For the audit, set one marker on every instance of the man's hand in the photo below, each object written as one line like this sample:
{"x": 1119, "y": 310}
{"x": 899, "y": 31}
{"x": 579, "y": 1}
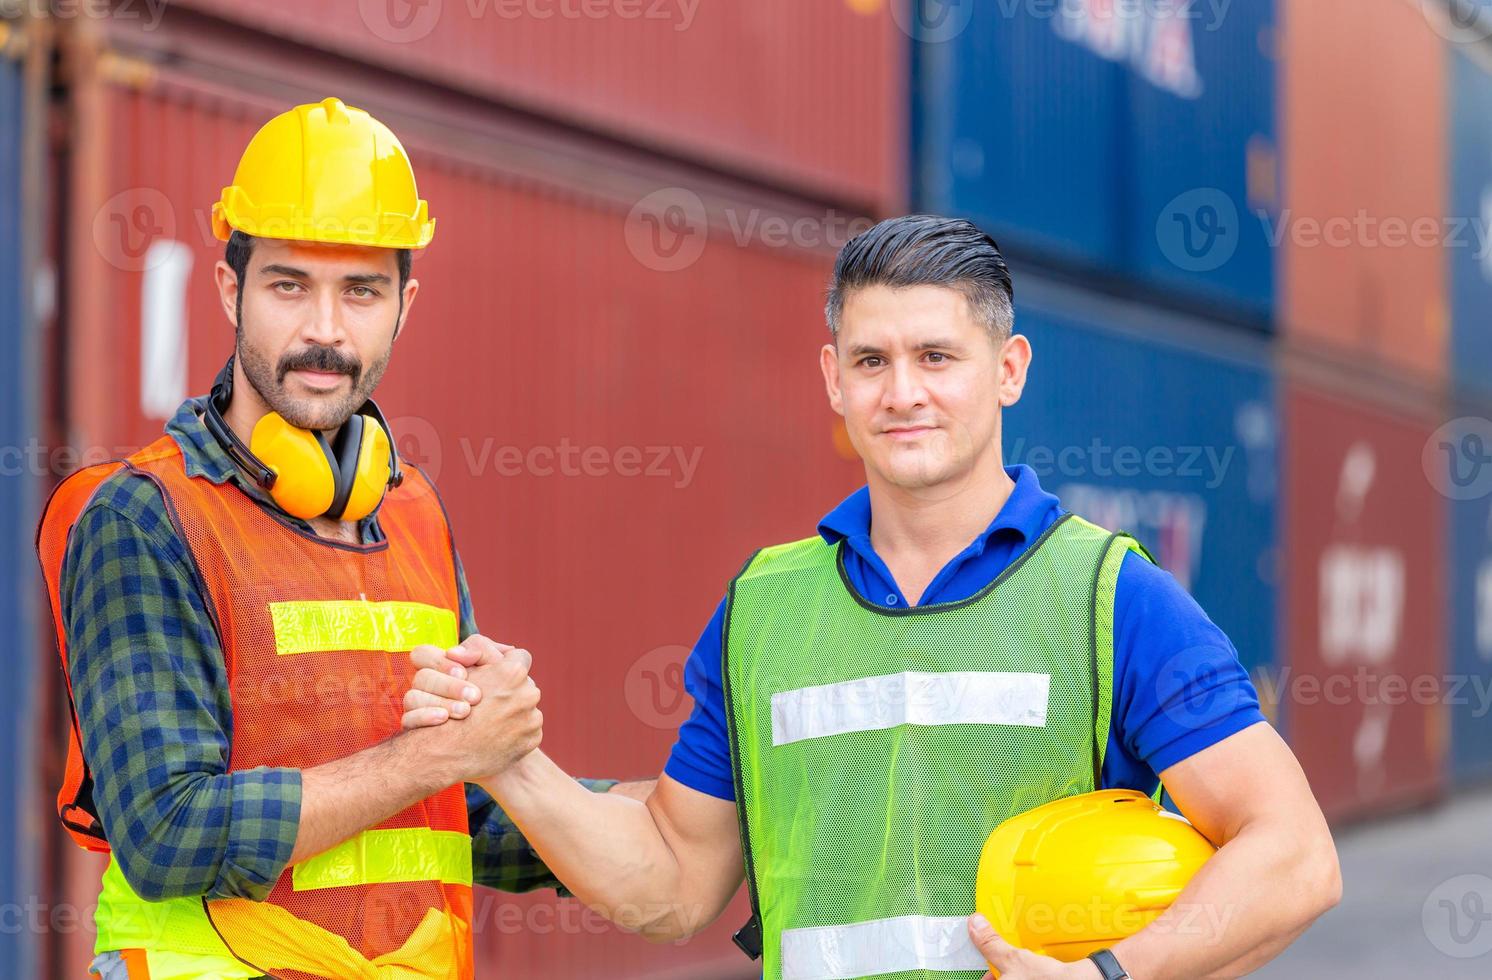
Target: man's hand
{"x": 441, "y": 688}
{"x": 1010, "y": 963}
{"x": 506, "y": 722}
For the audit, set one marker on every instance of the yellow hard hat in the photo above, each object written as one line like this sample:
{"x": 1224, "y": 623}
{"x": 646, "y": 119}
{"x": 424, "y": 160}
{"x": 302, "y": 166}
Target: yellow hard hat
{"x": 1081, "y": 873}
{"x": 325, "y": 172}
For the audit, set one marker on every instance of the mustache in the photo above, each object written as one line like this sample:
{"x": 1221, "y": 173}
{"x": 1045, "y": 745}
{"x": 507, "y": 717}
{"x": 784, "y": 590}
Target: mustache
{"x": 319, "y": 359}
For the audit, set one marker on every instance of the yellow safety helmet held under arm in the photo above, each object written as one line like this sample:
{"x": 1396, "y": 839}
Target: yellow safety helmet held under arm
{"x": 325, "y": 172}
{"x": 1079, "y": 874}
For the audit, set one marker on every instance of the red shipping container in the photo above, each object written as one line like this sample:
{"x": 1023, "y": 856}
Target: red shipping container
{"x": 1364, "y": 604}
{"x": 809, "y": 96}
{"x": 1364, "y": 137}
{"x": 618, "y": 407}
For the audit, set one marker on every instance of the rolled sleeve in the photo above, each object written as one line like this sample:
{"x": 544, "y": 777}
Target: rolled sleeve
{"x": 700, "y": 758}
{"x": 1179, "y": 686}
{"x": 150, "y": 689}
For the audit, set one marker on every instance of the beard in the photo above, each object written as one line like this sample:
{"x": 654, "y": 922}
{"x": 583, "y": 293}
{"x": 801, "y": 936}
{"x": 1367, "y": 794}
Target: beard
{"x": 325, "y": 412}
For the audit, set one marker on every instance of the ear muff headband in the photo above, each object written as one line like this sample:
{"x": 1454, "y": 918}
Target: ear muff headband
{"x": 303, "y": 472}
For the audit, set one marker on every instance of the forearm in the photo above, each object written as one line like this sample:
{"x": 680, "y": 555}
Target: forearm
{"x": 606, "y": 847}
{"x": 1258, "y": 956}
{"x": 1246, "y": 905}
{"x": 502, "y": 858}
{"x": 347, "y": 796}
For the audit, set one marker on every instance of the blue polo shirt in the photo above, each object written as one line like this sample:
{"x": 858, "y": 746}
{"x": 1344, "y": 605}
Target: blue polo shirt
{"x": 1178, "y": 684}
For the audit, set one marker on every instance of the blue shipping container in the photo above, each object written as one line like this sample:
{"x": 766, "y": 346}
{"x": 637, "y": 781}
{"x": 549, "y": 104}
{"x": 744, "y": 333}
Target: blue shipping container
{"x": 1138, "y": 145}
{"x": 1471, "y": 209}
{"x": 19, "y": 578}
{"x": 1469, "y": 690}
{"x": 1140, "y": 422}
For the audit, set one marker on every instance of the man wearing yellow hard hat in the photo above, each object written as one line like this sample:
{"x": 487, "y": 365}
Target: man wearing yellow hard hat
{"x": 235, "y": 604}
{"x": 955, "y": 697}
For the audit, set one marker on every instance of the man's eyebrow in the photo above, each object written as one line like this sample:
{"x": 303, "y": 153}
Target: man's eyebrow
{"x": 284, "y": 270}
{"x": 937, "y": 342}
{"x": 354, "y": 278}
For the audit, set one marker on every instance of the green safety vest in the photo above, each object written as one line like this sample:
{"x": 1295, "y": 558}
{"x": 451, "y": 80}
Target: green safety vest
{"x": 875, "y": 749}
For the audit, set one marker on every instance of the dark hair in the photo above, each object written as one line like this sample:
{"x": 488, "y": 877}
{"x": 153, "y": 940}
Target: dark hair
{"x": 927, "y": 250}
{"x": 241, "y": 246}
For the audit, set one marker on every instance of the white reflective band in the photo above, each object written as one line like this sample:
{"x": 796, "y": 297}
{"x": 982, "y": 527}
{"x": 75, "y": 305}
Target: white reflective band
{"x": 970, "y": 697}
{"x": 906, "y": 942}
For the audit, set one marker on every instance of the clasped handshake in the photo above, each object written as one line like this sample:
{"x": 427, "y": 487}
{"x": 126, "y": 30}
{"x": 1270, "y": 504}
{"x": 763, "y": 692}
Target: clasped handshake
{"x": 485, "y": 685}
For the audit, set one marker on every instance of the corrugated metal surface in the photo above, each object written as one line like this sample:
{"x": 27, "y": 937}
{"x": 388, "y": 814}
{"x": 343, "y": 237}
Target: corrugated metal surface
{"x": 1043, "y": 175}
{"x": 1364, "y": 604}
{"x": 1471, "y": 206}
{"x": 599, "y": 426}
{"x": 1203, "y": 159}
{"x": 1469, "y": 485}
{"x": 18, "y": 490}
{"x": 1365, "y": 132}
{"x": 1137, "y": 146}
{"x": 1198, "y": 486}
{"x": 805, "y": 94}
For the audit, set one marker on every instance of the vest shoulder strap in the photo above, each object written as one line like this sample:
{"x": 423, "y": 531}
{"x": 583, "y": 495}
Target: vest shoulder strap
{"x": 66, "y": 504}
{"x": 794, "y": 556}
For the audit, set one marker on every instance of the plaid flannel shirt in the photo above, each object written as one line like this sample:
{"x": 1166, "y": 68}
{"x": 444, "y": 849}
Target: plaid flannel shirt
{"x": 150, "y": 686}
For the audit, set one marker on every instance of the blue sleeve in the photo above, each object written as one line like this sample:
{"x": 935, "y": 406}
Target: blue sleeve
{"x": 1178, "y": 684}
{"x": 701, "y": 757}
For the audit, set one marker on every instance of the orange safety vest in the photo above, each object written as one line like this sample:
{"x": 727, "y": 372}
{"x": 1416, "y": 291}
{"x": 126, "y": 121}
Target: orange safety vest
{"x": 314, "y": 633}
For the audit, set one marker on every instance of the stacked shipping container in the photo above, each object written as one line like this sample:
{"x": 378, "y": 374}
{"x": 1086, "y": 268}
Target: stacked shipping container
{"x": 795, "y": 95}
{"x": 1365, "y": 329}
{"x": 1131, "y": 147}
{"x": 20, "y": 826}
{"x": 611, "y": 186}
{"x": 1166, "y": 427}
{"x": 1129, "y": 143}
{"x": 1364, "y": 604}
{"x": 1364, "y": 274}
{"x": 1461, "y": 450}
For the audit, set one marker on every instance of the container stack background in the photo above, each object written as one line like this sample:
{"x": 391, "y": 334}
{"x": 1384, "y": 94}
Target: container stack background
{"x": 1250, "y": 243}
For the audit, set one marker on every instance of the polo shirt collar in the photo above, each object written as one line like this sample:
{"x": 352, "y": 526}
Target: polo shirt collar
{"x": 1024, "y": 512}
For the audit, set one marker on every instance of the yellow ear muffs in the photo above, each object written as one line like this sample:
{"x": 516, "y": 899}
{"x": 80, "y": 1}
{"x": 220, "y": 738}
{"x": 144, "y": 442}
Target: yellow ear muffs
{"x": 312, "y": 476}
{"x": 305, "y": 482}
{"x": 371, "y": 477}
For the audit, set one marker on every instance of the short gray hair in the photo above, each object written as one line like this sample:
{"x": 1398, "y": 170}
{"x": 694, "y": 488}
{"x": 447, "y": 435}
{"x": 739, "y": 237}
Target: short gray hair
{"x": 927, "y": 250}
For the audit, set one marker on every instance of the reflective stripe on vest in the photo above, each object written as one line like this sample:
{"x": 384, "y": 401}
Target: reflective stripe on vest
{"x": 912, "y": 697}
{"x": 316, "y": 635}
{"x": 875, "y": 749}
{"x": 897, "y": 945}
{"x": 384, "y": 627}
{"x": 181, "y": 926}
